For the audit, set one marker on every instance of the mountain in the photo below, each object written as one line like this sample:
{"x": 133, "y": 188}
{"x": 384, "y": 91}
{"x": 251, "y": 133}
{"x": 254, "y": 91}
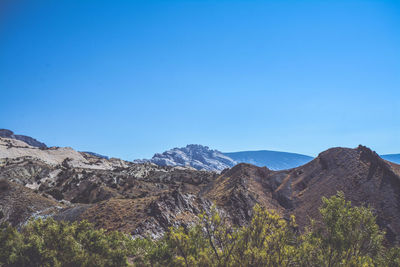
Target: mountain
{"x": 35, "y": 143}
{"x": 146, "y": 199}
{"x": 19, "y": 203}
{"x": 26, "y": 139}
{"x": 274, "y": 160}
{"x": 196, "y": 156}
{"x": 392, "y": 157}
{"x": 203, "y": 158}
{"x": 113, "y": 194}
{"x": 53, "y": 156}
{"x": 364, "y": 177}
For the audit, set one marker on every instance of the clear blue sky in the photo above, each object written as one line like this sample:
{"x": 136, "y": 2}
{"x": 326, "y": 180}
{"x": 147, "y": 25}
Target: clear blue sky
{"x": 131, "y": 78}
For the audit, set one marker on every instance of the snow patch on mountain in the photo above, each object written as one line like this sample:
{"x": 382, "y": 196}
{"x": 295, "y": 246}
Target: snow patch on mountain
{"x": 196, "y": 156}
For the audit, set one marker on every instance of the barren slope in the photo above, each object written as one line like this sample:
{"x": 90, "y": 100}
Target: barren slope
{"x": 146, "y": 198}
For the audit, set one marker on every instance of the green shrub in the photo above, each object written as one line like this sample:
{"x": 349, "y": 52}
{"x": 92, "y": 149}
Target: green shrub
{"x": 51, "y": 243}
{"x": 345, "y": 236}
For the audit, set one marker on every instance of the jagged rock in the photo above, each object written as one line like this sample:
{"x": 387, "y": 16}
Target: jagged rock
{"x": 196, "y": 156}
{"x": 145, "y": 198}
{"x": 26, "y": 139}
{"x": 13, "y": 149}
{"x": 18, "y": 204}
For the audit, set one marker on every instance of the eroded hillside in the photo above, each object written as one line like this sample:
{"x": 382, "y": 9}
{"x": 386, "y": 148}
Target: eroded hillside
{"x": 147, "y": 199}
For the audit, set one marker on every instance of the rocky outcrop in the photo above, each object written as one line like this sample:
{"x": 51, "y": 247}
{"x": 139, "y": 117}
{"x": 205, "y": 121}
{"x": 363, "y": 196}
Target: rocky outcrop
{"x": 203, "y": 158}
{"x": 364, "y": 177}
{"x": 14, "y": 149}
{"x": 18, "y": 203}
{"x": 196, "y": 156}
{"x": 146, "y": 198}
{"x": 26, "y": 139}
{"x": 138, "y": 198}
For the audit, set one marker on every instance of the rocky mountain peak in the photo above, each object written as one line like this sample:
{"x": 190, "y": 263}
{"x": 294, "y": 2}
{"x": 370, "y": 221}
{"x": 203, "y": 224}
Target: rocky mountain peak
{"x": 368, "y": 154}
{"x": 27, "y": 139}
{"x": 344, "y": 157}
{"x": 6, "y": 133}
{"x": 197, "y": 147}
{"x": 196, "y": 156}
{"x": 146, "y": 199}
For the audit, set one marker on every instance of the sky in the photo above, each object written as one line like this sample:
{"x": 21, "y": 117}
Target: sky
{"x": 131, "y": 78}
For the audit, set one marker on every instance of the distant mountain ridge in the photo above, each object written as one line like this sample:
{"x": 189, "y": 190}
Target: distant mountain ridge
{"x": 196, "y": 156}
{"x": 203, "y": 158}
{"x": 146, "y": 199}
{"x": 392, "y": 157}
{"x": 274, "y": 160}
{"x": 26, "y": 139}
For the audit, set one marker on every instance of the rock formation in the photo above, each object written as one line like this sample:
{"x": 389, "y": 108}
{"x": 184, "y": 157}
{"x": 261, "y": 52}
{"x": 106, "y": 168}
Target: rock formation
{"x": 26, "y": 139}
{"x": 196, "y": 156}
{"x": 146, "y": 199}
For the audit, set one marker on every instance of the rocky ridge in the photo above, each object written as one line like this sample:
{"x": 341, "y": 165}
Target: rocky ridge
{"x": 196, "y": 156}
{"x": 146, "y": 199}
{"x": 134, "y": 198}
{"x": 12, "y": 149}
{"x": 364, "y": 177}
{"x": 395, "y": 158}
{"x": 203, "y": 158}
{"x": 26, "y": 139}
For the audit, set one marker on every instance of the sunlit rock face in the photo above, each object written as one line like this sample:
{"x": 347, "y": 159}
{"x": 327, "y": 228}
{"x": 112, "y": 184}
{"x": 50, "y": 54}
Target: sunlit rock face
{"x": 27, "y": 139}
{"x": 195, "y": 156}
{"x": 146, "y": 198}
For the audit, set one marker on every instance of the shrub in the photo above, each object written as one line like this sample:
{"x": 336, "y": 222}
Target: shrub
{"x": 51, "y": 243}
{"x": 345, "y": 236}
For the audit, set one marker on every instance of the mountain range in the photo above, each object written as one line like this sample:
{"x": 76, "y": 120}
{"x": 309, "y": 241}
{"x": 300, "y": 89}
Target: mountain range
{"x": 203, "y": 158}
{"x": 196, "y": 156}
{"x": 274, "y": 160}
{"x": 146, "y": 199}
{"x": 392, "y": 157}
{"x": 26, "y": 139}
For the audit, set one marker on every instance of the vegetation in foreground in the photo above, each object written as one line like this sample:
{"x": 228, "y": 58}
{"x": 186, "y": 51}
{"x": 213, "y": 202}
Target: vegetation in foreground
{"x": 345, "y": 236}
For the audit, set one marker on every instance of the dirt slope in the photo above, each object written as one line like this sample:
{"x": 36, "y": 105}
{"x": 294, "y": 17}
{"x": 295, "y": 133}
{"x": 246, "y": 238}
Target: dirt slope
{"x": 147, "y": 199}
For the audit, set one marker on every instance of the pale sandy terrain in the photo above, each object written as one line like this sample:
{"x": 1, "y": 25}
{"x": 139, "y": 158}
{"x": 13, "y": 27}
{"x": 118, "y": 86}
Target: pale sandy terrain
{"x": 11, "y": 148}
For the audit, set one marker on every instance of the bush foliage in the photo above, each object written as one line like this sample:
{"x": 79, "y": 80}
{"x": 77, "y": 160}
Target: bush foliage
{"x": 345, "y": 236}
